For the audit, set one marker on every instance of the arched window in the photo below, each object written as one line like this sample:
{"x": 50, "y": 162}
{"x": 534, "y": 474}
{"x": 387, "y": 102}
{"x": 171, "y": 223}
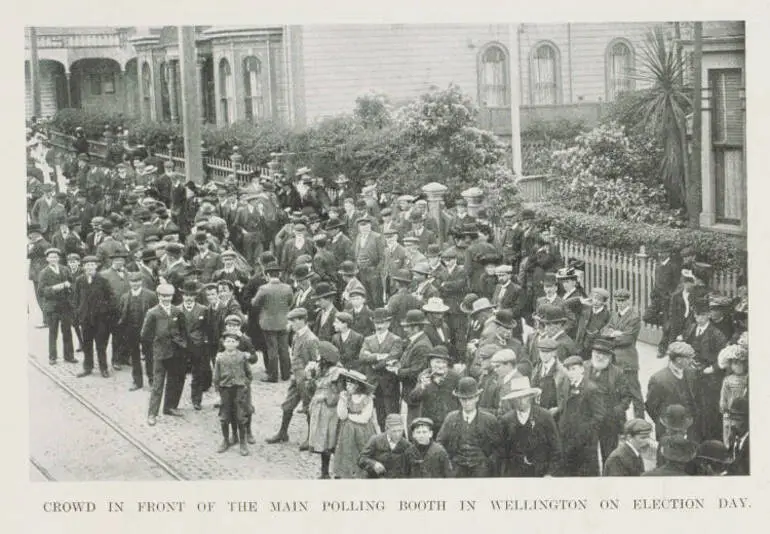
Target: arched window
{"x": 165, "y": 100}
{"x": 146, "y": 91}
{"x": 620, "y": 68}
{"x": 545, "y": 75}
{"x": 493, "y": 78}
{"x": 253, "y": 88}
{"x": 225, "y": 90}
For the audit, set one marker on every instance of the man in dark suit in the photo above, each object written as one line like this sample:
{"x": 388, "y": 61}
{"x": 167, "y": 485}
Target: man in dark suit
{"x": 626, "y": 460}
{"x": 369, "y": 250}
{"x": 452, "y": 289}
{"x": 580, "y": 422}
{"x": 94, "y": 303}
{"x": 667, "y": 274}
{"x": 304, "y": 349}
{"x": 347, "y": 341}
{"x": 592, "y": 316}
{"x": 426, "y": 237}
{"x": 674, "y": 384}
{"x": 677, "y": 452}
{"x": 377, "y": 351}
{"x": 197, "y": 350}
{"x": 678, "y": 312}
{"x": 147, "y": 267}
{"x": 108, "y": 244}
{"x": 66, "y": 239}
{"x": 401, "y": 301}
{"x": 413, "y": 360}
{"x": 530, "y": 445}
{"x": 739, "y": 439}
{"x": 623, "y": 329}
{"x": 55, "y": 286}
{"x": 205, "y": 259}
{"x": 164, "y": 336}
{"x": 384, "y": 455}
{"x": 117, "y": 278}
{"x": 272, "y": 304}
{"x": 707, "y": 341}
{"x": 163, "y": 183}
{"x": 132, "y": 309}
{"x": 36, "y": 249}
{"x": 613, "y": 388}
{"x": 323, "y": 325}
{"x": 471, "y": 436}
{"x": 507, "y": 294}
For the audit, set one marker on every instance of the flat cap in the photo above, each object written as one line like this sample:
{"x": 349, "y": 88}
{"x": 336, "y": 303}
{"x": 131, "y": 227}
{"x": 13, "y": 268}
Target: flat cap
{"x": 504, "y": 356}
{"x": 234, "y": 319}
{"x": 634, "y": 427}
{"x": 572, "y": 361}
{"x": 503, "y": 269}
{"x": 421, "y": 421}
{"x": 165, "y": 289}
{"x": 622, "y": 294}
{"x": 547, "y": 344}
{"x": 297, "y": 313}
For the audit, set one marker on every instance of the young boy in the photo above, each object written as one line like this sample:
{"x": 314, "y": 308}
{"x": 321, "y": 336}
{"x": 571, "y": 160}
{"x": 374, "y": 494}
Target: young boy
{"x": 232, "y": 377}
{"x": 234, "y": 325}
{"x": 425, "y": 458}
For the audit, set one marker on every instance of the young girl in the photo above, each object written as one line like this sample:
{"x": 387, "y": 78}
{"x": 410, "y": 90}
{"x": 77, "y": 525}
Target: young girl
{"x": 323, "y": 406}
{"x": 735, "y": 384}
{"x": 358, "y": 423}
{"x": 232, "y": 378}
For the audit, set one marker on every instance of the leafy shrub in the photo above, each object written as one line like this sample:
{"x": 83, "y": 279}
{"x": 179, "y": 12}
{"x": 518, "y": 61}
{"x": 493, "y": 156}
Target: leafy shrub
{"x": 561, "y": 129}
{"x": 722, "y": 251}
{"x": 373, "y": 110}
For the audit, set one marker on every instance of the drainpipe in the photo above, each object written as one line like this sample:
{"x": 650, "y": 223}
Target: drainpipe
{"x": 569, "y": 59}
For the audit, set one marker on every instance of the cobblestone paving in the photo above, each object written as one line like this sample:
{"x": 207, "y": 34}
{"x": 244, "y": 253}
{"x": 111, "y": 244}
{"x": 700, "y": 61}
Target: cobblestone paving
{"x": 73, "y": 444}
{"x": 189, "y": 443}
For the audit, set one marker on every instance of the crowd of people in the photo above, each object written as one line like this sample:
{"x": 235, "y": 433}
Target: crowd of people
{"x": 412, "y": 345}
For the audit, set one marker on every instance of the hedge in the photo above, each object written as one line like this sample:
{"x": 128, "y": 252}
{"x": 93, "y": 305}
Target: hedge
{"x": 723, "y": 252}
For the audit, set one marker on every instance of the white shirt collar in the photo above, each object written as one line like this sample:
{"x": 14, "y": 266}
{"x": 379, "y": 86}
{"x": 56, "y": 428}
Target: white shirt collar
{"x": 523, "y": 417}
{"x": 637, "y": 453}
{"x": 381, "y": 337}
{"x": 469, "y": 418}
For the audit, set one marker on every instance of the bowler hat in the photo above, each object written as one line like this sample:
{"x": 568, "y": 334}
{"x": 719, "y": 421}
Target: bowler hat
{"x": 422, "y": 268}
{"x": 381, "y": 315}
{"x": 348, "y": 268}
{"x": 107, "y": 227}
{"x": 490, "y": 259}
{"x": 53, "y": 250}
{"x": 33, "y": 228}
{"x": 435, "y": 305}
{"x": 135, "y": 276}
{"x": 174, "y": 248}
{"x": 165, "y": 289}
{"x": 715, "y": 451}
{"x": 149, "y": 255}
{"x": 549, "y": 279}
{"x": 324, "y": 289}
{"x": 364, "y": 219}
{"x": 328, "y": 352}
{"x": 505, "y": 319}
{"x": 677, "y": 448}
{"x": 527, "y": 214}
{"x": 402, "y": 275}
{"x": 675, "y": 417}
{"x": 191, "y": 287}
{"x": 73, "y": 256}
{"x": 701, "y": 307}
{"x": 90, "y": 259}
{"x": 551, "y": 314}
{"x": 467, "y": 388}
{"x": 272, "y": 267}
{"x": 301, "y": 272}
{"x": 333, "y": 224}
{"x": 414, "y": 318}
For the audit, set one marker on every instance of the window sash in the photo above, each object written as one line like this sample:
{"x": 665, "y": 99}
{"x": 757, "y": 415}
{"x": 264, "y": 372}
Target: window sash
{"x": 544, "y": 72}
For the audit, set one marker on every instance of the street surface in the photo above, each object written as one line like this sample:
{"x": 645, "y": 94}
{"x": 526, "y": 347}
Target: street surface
{"x": 71, "y": 443}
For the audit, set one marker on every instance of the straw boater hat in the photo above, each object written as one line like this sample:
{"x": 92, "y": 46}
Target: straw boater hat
{"x": 435, "y": 305}
{"x": 520, "y": 388}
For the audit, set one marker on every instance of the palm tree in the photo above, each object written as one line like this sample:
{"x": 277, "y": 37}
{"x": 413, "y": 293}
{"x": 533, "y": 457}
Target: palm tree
{"x": 662, "y": 109}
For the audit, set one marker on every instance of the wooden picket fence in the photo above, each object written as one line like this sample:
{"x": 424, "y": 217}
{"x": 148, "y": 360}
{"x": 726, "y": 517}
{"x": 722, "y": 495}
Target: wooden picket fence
{"x": 613, "y": 269}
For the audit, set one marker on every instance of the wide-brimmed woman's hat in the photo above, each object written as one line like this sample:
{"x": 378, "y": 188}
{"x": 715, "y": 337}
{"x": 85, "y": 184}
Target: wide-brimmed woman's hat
{"x": 357, "y": 377}
{"x": 328, "y": 352}
{"x": 467, "y": 388}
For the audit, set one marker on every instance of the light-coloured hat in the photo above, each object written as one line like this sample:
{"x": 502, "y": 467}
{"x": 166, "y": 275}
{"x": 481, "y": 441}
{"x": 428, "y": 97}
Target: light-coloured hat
{"x": 165, "y": 289}
{"x": 435, "y": 305}
{"x": 520, "y": 387}
{"x": 481, "y": 305}
{"x": 503, "y": 269}
{"x": 504, "y": 356}
{"x": 302, "y": 170}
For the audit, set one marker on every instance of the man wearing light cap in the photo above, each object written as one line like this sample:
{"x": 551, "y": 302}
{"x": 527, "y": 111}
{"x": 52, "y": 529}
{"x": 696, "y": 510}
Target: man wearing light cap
{"x": 163, "y": 336}
{"x": 504, "y": 364}
{"x": 369, "y": 250}
{"x": 133, "y": 308}
{"x": 626, "y": 460}
{"x": 623, "y": 329}
{"x": 55, "y": 285}
{"x": 592, "y": 316}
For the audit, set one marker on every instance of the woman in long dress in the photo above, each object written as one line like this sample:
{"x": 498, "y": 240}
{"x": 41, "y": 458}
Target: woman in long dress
{"x": 358, "y": 423}
{"x": 322, "y": 437}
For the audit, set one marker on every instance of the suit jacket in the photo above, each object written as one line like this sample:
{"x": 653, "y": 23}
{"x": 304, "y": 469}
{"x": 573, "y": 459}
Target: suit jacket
{"x": 349, "y": 349}
{"x": 508, "y": 298}
{"x": 623, "y": 462}
{"x": 413, "y": 361}
{"x": 485, "y": 430}
{"x": 532, "y": 449}
{"x": 69, "y": 244}
{"x": 585, "y": 336}
{"x": 208, "y": 265}
{"x": 370, "y": 255}
{"x": 54, "y": 300}
{"x": 304, "y": 349}
{"x": 106, "y": 248}
{"x": 377, "y": 449}
{"x": 342, "y": 248}
{"x": 93, "y": 302}
{"x": 434, "y": 463}
{"x": 558, "y": 397}
{"x": 707, "y": 346}
{"x": 612, "y": 385}
{"x": 435, "y": 400}
{"x": 324, "y": 330}
{"x": 273, "y": 302}
{"x": 196, "y": 325}
{"x": 325, "y": 265}
{"x": 427, "y": 237}
{"x": 41, "y": 212}
{"x": 675, "y": 317}
{"x": 626, "y": 355}
{"x": 393, "y": 259}
{"x": 452, "y": 288}
{"x": 119, "y": 286}
{"x": 664, "y": 389}
{"x": 374, "y": 367}
{"x": 147, "y": 298}
{"x": 741, "y": 457}
{"x": 398, "y": 305}
{"x": 435, "y": 338}
{"x": 149, "y": 280}
{"x": 363, "y": 322}
{"x": 667, "y": 470}
{"x": 36, "y": 257}
{"x": 582, "y": 417}
{"x": 163, "y": 334}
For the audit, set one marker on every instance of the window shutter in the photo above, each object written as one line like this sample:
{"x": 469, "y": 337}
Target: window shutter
{"x": 727, "y": 115}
